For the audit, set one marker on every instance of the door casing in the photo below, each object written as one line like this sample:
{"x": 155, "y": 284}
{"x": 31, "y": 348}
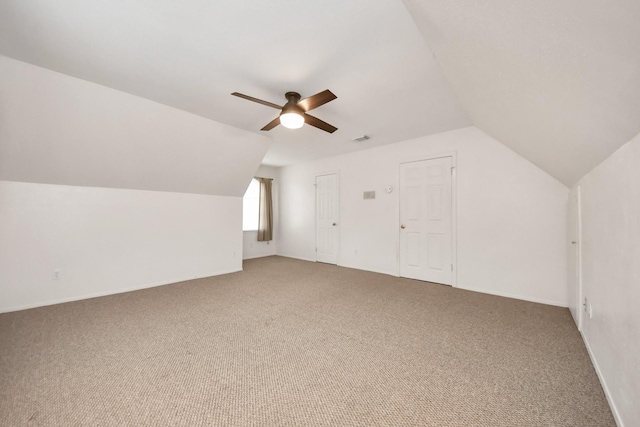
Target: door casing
{"x": 454, "y": 208}
{"x": 324, "y": 227}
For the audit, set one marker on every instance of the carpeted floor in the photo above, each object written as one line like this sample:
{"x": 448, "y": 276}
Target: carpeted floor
{"x": 294, "y": 343}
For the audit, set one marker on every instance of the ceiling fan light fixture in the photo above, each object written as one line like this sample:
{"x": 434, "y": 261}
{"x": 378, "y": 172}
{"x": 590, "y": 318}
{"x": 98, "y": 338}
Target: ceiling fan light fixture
{"x": 291, "y": 120}
{"x": 293, "y": 114}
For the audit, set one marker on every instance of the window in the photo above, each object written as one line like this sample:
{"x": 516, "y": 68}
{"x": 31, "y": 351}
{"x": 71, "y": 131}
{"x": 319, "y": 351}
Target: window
{"x": 251, "y": 206}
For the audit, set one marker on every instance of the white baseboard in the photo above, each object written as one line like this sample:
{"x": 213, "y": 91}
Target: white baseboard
{"x": 484, "y": 291}
{"x": 296, "y": 257}
{"x": 394, "y": 274}
{"x": 514, "y": 296}
{"x": 114, "y": 292}
{"x": 607, "y": 393}
{"x": 257, "y": 256}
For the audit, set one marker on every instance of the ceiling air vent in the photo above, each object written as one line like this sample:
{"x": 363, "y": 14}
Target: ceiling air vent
{"x": 360, "y": 138}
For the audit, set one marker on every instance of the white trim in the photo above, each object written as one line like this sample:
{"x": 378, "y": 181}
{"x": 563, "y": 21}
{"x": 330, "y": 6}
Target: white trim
{"x": 580, "y": 311}
{"x": 514, "y": 296}
{"x": 440, "y": 155}
{"x": 386, "y": 273}
{"x": 454, "y": 209}
{"x": 603, "y": 383}
{"x": 258, "y": 256}
{"x": 454, "y": 219}
{"x": 114, "y": 292}
{"x": 315, "y": 212}
{"x": 297, "y": 257}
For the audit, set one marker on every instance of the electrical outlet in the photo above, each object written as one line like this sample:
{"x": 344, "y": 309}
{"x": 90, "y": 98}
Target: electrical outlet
{"x": 56, "y": 274}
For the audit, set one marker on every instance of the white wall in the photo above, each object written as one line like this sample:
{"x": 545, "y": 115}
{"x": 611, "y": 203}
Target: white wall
{"x": 511, "y": 216}
{"x": 251, "y": 247}
{"x": 106, "y": 240}
{"x": 610, "y": 204}
{"x": 77, "y": 161}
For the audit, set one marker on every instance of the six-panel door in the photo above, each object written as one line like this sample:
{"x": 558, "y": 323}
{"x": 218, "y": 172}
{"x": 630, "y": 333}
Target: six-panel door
{"x": 425, "y": 220}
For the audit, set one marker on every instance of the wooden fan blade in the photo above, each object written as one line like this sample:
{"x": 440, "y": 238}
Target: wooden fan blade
{"x": 316, "y": 100}
{"x": 259, "y": 101}
{"x": 316, "y": 122}
{"x": 273, "y": 123}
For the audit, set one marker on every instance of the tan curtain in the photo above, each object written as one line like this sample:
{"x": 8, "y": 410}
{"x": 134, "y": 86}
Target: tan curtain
{"x": 265, "y": 220}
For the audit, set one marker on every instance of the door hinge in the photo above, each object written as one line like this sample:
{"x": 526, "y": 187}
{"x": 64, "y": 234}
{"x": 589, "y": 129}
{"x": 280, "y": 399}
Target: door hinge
{"x": 452, "y": 168}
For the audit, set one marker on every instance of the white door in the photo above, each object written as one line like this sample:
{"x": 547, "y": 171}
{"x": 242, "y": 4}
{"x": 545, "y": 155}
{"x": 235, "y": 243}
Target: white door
{"x": 574, "y": 258}
{"x": 327, "y": 218}
{"x": 426, "y": 220}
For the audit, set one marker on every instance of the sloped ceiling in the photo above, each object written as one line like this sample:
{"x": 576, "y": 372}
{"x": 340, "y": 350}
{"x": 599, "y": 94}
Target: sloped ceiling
{"x": 557, "y": 81}
{"x": 56, "y": 129}
{"x": 192, "y": 55}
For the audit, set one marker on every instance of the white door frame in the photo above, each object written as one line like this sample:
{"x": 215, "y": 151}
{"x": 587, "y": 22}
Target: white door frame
{"x": 315, "y": 202}
{"x": 574, "y": 261}
{"x": 454, "y": 209}
{"x": 580, "y": 309}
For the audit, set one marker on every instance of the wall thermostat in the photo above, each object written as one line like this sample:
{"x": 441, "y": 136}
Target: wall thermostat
{"x": 388, "y": 189}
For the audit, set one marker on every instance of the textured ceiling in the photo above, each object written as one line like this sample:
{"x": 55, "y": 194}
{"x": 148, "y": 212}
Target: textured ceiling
{"x": 557, "y": 81}
{"x": 192, "y": 55}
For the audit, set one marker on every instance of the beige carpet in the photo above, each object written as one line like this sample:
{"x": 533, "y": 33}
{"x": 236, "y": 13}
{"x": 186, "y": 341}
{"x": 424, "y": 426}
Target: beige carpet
{"x": 294, "y": 343}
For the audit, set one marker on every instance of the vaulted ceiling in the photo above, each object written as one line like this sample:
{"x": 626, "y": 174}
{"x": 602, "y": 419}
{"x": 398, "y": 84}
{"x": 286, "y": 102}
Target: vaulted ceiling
{"x": 558, "y": 82}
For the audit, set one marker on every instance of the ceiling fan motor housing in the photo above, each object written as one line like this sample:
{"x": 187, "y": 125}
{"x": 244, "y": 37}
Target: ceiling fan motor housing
{"x": 292, "y": 104}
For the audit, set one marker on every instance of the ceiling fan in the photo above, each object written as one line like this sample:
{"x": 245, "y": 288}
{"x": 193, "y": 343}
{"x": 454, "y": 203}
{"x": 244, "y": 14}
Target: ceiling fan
{"x": 293, "y": 114}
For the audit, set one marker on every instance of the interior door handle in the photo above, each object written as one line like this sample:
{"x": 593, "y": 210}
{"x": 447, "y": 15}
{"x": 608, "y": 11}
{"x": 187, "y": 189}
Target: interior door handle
{"x": 334, "y": 224}
{"x": 402, "y": 226}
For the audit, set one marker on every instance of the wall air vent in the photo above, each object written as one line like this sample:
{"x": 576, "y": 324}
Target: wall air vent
{"x": 361, "y": 138}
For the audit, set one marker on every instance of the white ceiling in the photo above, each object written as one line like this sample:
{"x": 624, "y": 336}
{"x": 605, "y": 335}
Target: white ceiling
{"x": 192, "y": 55}
{"x": 557, "y": 81}
{"x": 56, "y": 129}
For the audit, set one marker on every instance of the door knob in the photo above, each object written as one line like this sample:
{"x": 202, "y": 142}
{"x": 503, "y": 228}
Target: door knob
{"x": 402, "y": 226}
{"x": 334, "y": 224}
